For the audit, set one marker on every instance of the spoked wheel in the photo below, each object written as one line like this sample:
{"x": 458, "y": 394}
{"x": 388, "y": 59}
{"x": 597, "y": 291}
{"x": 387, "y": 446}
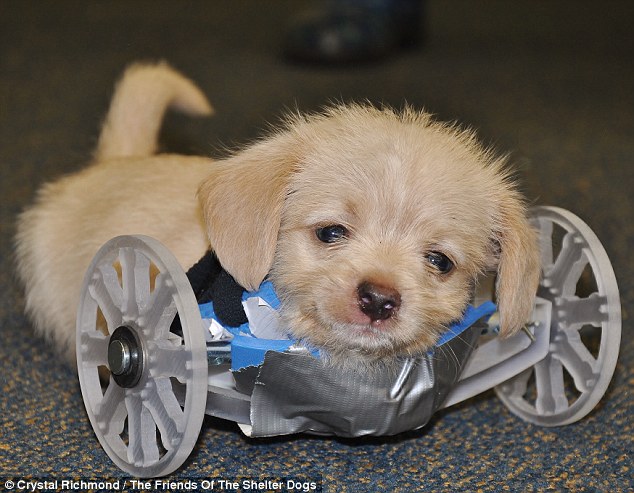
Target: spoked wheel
{"x": 132, "y": 292}
{"x": 585, "y": 332}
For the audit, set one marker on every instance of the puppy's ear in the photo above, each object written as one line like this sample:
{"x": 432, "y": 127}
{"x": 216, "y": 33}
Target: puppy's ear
{"x": 518, "y": 267}
{"x": 242, "y": 203}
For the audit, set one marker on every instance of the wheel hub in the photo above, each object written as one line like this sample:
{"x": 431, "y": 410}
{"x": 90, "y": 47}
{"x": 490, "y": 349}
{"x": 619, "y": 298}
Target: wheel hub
{"x": 125, "y": 357}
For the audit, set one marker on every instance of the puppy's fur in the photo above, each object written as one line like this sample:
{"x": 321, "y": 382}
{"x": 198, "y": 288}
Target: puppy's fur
{"x": 400, "y": 190}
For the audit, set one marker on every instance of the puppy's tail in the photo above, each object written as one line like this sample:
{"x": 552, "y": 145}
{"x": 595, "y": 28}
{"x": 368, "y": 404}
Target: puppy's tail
{"x": 136, "y": 112}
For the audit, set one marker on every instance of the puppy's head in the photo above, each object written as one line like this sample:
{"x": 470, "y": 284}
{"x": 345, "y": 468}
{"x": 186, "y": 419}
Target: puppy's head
{"x": 373, "y": 226}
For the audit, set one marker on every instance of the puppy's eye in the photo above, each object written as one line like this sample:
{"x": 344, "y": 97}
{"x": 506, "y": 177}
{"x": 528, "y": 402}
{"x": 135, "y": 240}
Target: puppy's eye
{"x": 440, "y": 261}
{"x": 331, "y": 234}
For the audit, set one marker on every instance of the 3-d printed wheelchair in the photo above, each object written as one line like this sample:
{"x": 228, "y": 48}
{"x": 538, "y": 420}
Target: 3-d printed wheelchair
{"x": 163, "y": 381}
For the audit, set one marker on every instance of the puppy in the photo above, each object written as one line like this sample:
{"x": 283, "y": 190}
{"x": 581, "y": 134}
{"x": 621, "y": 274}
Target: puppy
{"x": 372, "y": 224}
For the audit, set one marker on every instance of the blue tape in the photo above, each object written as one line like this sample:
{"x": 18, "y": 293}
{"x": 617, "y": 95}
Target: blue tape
{"x": 265, "y": 291}
{"x": 250, "y": 351}
{"x": 247, "y": 350}
{"x": 471, "y": 315}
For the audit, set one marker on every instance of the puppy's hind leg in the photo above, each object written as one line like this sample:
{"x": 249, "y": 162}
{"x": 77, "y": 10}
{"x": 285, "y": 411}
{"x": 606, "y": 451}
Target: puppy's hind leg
{"x": 141, "y": 98}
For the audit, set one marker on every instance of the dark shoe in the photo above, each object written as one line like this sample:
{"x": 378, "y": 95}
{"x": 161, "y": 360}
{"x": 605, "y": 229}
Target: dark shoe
{"x": 351, "y": 31}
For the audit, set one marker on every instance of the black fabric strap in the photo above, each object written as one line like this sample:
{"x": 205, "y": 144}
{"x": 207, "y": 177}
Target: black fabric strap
{"x": 210, "y": 282}
{"x": 226, "y": 294}
{"x": 202, "y": 274}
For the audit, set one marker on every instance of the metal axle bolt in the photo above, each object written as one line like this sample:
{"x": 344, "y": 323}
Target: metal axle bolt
{"x": 119, "y": 357}
{"x": 125, "y": 357}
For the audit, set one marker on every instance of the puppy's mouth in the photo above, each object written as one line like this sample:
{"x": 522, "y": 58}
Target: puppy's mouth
{"x": 363, "y": 333}
{"x": 371, "y": 330}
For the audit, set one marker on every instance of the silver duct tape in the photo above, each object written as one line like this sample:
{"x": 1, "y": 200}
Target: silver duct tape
{"x": 294, "y": 393}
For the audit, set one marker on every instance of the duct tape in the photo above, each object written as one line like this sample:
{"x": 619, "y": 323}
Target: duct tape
{"x": 294, "y": 391}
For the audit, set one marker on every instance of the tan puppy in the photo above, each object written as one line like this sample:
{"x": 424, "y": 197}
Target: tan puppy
{"x": 373, "y": 225}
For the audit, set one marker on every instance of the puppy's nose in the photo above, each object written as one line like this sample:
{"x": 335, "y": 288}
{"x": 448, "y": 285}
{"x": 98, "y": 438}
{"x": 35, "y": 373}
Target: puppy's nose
{"x": 378, "y": 302}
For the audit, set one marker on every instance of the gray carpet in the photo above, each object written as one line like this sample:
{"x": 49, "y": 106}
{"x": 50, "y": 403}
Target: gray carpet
{"x": 550, "y": 82}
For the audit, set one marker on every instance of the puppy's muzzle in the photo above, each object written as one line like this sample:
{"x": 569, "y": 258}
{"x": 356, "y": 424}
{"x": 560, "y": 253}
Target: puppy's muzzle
{"x": 378, "y": 302}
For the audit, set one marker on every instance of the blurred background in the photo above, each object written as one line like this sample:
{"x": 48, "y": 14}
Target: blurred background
{"x": 550, "y": 83}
